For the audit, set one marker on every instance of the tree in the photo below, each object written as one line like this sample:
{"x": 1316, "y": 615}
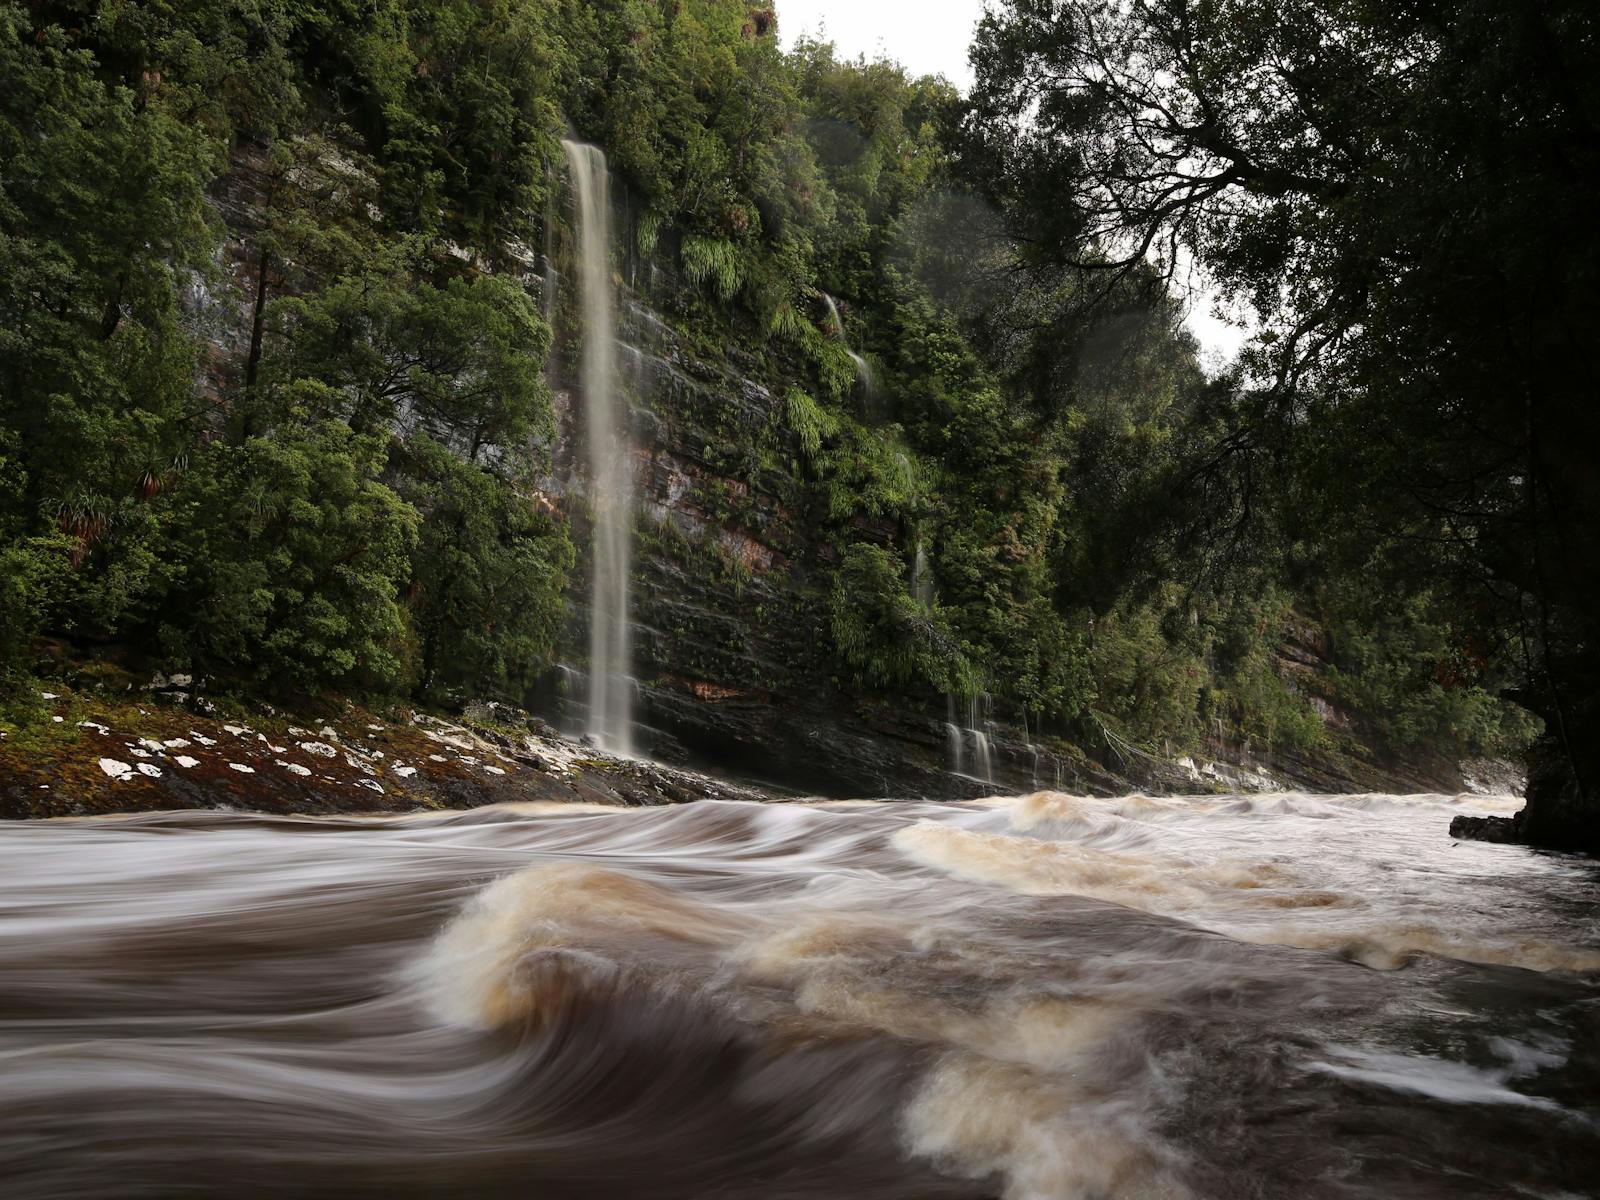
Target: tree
{"x": 488, "y": 577}
{"x": 1405, "y": 196}
{"x": 464, "y": 360}
{"x": 287, "y": 555}
{"x": 886, "y": 636}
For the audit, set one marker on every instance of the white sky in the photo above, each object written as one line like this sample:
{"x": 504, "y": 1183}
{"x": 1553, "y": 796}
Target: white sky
{"x": 927, "y": 37}
{"x": 930, "y": 37}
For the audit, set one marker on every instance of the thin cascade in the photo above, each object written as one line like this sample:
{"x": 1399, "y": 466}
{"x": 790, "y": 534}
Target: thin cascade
{"x": 605, "y": 420}
{"x": 922, "y": 579}
{"x": 977, "y": 728}
{"x": 972, "y": 732}
{"x": 863, "y": 369}
{"x": 955, "y": 739}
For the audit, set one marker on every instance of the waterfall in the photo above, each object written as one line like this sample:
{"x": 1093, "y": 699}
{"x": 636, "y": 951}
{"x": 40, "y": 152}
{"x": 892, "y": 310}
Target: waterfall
{"x": 605, "y": 421}
{"x": 922, "y": 580}
{"x": 863, "y": 371}
{"x": 982, "y": 762}
{"x": 957, "y": 737}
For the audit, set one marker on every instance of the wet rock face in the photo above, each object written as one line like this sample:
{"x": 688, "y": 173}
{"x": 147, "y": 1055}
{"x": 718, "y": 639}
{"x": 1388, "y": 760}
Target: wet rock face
{"x": 731, "y": 648}
{"x": 1485, "y": 829}
{"x": 1562, "y": 811}
{"x": 730, "y": 639}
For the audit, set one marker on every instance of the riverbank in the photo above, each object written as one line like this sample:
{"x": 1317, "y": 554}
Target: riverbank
{"x": 85, "y": 749}
{"x": 83, "y": 753}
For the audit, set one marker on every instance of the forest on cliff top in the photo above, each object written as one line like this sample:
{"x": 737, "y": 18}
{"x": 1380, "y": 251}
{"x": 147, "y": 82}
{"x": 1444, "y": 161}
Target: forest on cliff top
{"x": 296, "y": 452}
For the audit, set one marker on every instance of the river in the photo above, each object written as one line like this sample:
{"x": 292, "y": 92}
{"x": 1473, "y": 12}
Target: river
{"x": 1277, "y": 996}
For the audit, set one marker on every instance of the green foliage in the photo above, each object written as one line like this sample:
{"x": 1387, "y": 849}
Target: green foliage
{"x": 1147, "y": 684}
{"x": 304, "y": 458}
{"x": 391, "y": 349}
{"x": 488, "y": 576}
{"x": 1426, "y": 349}
{"x": 812, "y": 424}
{"x": 287, "y": 555}
{"x": 1249, "y": 688}
{"x": 713, "y": 260}
{"x": 33, "y": 570}
{"x": 1410, "y": 672}
{"x": 868, "y": 474}
{"x": 33, "y": 574}
{"x": 886, "y": 637}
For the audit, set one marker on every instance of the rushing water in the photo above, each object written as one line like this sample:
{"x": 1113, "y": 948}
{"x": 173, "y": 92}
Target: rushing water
{"x": 1268, "y": 997}
{"x": 606, "y": 436}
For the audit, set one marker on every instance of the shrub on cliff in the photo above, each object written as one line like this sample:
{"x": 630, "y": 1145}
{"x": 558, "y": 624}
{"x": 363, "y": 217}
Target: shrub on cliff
{"x": 287, "y": 554}
{"x": 488, "y": 577}
{"x": 886, "y": 637}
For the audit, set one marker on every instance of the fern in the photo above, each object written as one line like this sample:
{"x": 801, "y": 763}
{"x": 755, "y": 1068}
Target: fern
{"x": 648, "y": 232}
{"x": 714, "y": 260}
{"x": 811, "y": 423}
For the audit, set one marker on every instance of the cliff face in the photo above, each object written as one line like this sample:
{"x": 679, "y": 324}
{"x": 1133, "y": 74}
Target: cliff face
{"x": 732, "y": 648}
{"x": 732, "y": 651}
{"x": 731, "y": 645}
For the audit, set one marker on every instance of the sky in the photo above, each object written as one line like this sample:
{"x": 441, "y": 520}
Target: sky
{"x": 927, "y": 37}
{"x": 930, "y": 37}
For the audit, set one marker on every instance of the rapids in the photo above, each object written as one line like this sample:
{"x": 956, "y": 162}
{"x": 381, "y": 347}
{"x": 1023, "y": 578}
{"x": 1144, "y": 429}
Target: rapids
{"x": 1265, "y": 996}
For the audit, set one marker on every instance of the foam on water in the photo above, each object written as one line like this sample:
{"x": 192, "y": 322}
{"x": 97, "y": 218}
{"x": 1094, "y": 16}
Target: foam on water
{"x": 1045, "y": 996}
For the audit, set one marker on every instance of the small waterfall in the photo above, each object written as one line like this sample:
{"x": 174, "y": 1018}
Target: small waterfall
{"x": 982, "y": 760}
{"x": 922, "y": 579}
{"x": 605, "y": 420}
{"x": 974, "y": 731}
{"x": 863, "y": 370}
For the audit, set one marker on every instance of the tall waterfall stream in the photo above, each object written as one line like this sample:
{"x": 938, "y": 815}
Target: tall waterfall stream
{"x": 605, "y": 415}
{"x": 1265, "y": 996}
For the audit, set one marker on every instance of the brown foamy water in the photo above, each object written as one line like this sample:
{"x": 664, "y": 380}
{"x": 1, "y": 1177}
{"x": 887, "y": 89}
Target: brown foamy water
{"x": 1279, "y": 996}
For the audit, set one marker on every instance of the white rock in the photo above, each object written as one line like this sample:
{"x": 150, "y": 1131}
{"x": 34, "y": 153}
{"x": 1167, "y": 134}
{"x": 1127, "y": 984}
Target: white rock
{"x": 438, "y": 758}
{"x": 241, "y": 768}
{"x": 202, "y": 738}
{"x": 320, "y": 749}
{"x": 372, "y": 785}
{"x": 404, "y": 772}
{"x": 182, "y": 680}
{"x": 183, "y": 760}
{"x": 58, "y": 720}
{"x": 493, "y": 770}
{"x": 139, "y": 751}
{"x": 48, "y": 696}
{"x": 94, "y": 725}
{"x": 115, "y": 769}
{"x": 294, "y": 768}
{"x": 237, "y": 730}
{"x": 150, "y": 769}
{"x": 176, "y": 743}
